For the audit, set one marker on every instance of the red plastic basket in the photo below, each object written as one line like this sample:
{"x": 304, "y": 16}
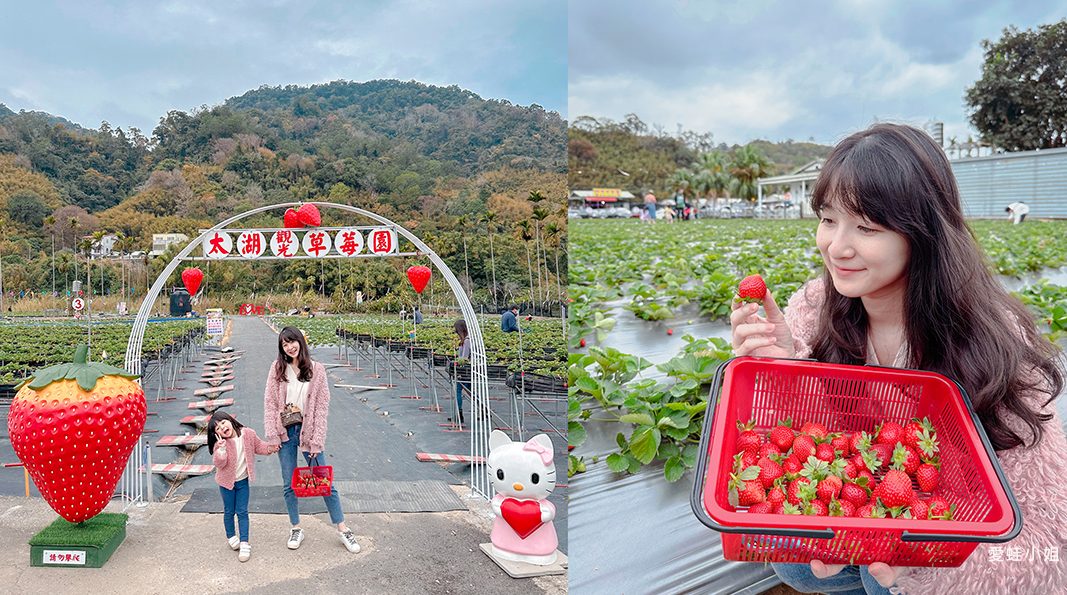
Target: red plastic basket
{"x": 852, "y": 398}
{"x": 308, "y": 482}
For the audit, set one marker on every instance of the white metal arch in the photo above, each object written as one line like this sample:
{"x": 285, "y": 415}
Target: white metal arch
{"x": 480, "y": 426}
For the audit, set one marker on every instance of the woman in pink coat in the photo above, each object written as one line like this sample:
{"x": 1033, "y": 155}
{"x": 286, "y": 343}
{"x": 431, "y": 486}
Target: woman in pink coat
{"x": 906, "y": 285}
{"x": 298, "y": 385}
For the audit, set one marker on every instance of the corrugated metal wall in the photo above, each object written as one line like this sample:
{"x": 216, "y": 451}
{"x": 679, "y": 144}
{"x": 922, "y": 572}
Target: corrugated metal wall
{"x": 1038, "y": 178}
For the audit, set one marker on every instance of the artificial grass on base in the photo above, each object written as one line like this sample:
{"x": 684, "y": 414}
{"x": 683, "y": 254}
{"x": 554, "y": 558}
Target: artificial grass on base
{"x": 95, "y": 532}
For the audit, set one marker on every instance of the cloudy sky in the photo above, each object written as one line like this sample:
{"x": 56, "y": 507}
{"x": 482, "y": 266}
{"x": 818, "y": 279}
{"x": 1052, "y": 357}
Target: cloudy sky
{"x": 130, "y": 62}
{"x": 777, "y": 70}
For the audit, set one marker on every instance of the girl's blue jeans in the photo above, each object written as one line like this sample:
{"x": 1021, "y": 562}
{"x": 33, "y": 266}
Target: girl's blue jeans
{"x": 287, "y": 456}
{"x": 235, "y": 501}
{"x": 852, "y": 580}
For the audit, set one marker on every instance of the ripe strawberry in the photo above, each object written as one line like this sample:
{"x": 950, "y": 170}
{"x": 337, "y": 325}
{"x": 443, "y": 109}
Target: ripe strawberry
{"x": 918, "y": 509}
{"x": 745, "y": 489}
{"x": 777, "y": 495}
{"x": 815, "y": 430}
{"x": 840, "y": 442}
{"x": 853, "y": 493}
{"x": 911, "y": 459}
{"x": 884, "y": 452}
{"x": 866, "y": 479}
{"x": 816, "y": 508}
{"x": 752, "y": 493}
{"x": 748, "y": 459}
{"x": 767, "y": 449}
{"x": 824, "y": 452}
{"x": 751, "y": 289}
{"x": 910, "y": 435}
{"x": 670, "y": 331}
{"x": 889, "y": 433}
{"x": 939, "y": 508}
{"x": 73, "y": 426}
{"x": 850, "y": 470}
{"x": 792, "y": 465}
{"x": 829, "y": 488}
{"x": 842, "y": 508}
{"x": 769, "y": 471}
{"x": 871, "y": 511}
{"x": 748, "y": 439}
{"x": 927, "y": 476}
{"x": 780, "y": 508}
{"x": 927, "y": 444}
{"x": 761, "y": 508}
{"x": 803, "y": 447}
{"x": 894, "y": 489}
{"x": 581, "y": 343}
{"x": 793, "y": 491}
{"x": 782, "y": 436}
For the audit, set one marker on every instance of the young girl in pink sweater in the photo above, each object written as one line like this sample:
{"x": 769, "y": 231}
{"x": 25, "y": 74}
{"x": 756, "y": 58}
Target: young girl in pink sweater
{"x": 906, "y": 285}
{"x": 233, "y": 448}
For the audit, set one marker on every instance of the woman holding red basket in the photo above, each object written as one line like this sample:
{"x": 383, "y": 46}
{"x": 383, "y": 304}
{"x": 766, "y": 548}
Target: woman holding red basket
{"x": 906, "y": 285}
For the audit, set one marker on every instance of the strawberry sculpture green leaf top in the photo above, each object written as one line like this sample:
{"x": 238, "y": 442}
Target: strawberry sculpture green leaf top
{"x": 74, "y": 426}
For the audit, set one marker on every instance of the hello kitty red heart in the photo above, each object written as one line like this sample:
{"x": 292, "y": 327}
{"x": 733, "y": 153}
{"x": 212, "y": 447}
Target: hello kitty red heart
{"x": 523, "y": 476}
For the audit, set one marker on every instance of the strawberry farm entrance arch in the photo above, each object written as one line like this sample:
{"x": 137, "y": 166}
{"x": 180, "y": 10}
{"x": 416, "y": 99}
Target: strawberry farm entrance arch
{"x": 480, "y": 426}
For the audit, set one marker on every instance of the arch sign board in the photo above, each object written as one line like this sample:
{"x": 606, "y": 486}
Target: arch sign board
{"x": 319, "y": 242}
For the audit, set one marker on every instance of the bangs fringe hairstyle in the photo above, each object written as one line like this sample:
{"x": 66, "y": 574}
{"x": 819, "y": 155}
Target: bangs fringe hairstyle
{"x": 213, "y": 422}
{"x": 958, "y": 319}
{"x": 303, "y": 359}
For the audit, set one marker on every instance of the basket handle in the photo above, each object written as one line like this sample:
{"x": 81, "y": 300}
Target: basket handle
{"x": 696, "y": 497}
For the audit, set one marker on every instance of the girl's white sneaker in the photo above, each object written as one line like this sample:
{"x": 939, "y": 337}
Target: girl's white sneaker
{"x": 246, "y": 552}
{"x": 235, "y": 542}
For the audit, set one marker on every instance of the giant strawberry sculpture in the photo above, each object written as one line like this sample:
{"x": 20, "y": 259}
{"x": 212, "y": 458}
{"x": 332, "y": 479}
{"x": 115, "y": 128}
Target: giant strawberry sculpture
{"x": 73, "y": 426}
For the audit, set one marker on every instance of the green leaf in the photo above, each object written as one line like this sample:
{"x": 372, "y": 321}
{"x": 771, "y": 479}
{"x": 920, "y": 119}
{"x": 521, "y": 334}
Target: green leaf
{"x": 87, "y": 378}
{"x": 673, "y": 469}
{"x": 617, "y": 462}
{"x": 642, "y": 419}
{"x": 575, "y": 434}
{"x": 644, "y": 444}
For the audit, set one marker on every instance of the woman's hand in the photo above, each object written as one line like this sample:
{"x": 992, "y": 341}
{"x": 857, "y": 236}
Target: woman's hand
{"x": 755, "y": 335}
{"x": 885, "y": 574}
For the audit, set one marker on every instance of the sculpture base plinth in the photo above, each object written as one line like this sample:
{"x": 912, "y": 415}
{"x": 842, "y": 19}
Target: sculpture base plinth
{"x": 524, "y": 570}
{"x": 83, "y": 545}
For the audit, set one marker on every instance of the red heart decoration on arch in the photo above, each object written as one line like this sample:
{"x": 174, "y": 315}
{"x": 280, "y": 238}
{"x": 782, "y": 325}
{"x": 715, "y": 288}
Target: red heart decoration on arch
{"x": 524, "y": 516}
{"x": 291, "y": 219}
{"x": 419, "y": 276}
{"x": 309, "y": 215}
{"x": 192, "y": 279}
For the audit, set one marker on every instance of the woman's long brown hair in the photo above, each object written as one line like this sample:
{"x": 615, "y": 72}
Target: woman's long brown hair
{"x": 958, "y": 319}
{"x": 303, "y": 359}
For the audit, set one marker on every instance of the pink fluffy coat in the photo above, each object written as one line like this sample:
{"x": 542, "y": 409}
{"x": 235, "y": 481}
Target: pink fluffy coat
{"x": 313, "y": 432}
{"x": 225, "y": 457}
{"x": 1036, "y": 476}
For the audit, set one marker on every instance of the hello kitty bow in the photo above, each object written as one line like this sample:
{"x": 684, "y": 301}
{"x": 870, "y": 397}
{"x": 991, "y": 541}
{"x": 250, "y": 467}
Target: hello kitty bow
{"x": 537, "y": 447}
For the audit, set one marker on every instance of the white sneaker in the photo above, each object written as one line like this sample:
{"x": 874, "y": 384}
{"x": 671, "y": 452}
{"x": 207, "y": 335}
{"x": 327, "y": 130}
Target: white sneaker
{"x": 235, "y": 542}
{"x": 349, "y": 539}
{"x": 246, "y": 552}
{"x": 296, "y": 536}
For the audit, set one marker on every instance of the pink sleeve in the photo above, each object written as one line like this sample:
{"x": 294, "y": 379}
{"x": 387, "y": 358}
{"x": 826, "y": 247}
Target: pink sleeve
{"x": 318, "y": 408}
{"x": 221, "y": 455}
{"x": 801, "y": 314}
{"x": 1033, "y": 562}
{"x": 259, "y": 446}
{"x": 272, "y": 423}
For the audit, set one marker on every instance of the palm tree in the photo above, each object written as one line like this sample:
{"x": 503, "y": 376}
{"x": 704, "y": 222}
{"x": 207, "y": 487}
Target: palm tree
{"x": 523, "y": 231}
{"x": 539, "y": 216}
{"x": 74, "y": 242}
{"x": 684, "y": 180}
{"x": 50, "y": 221}
{"x": 462, "y": 221}
{"x": 714, "y": 174}
{"x": 748, "y": 166}
{"x": 98, "y": 241}
{"x": 554, "y": 231}
{"x": 489, "y": 217}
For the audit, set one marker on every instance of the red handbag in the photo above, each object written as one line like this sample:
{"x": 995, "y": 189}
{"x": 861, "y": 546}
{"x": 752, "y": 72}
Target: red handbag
{"x": 315, "y": 480}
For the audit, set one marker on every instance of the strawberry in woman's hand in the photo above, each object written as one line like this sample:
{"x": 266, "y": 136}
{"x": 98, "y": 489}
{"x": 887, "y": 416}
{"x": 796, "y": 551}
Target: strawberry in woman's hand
{"x": 751, "y": 289}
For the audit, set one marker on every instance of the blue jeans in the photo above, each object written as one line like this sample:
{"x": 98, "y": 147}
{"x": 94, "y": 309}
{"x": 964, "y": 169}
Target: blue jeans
{"x": 460, "y": 387}
{"x": 852, "y": 580}
{"x": 652, "y": 211}
{"x": 235, "y": 501}
{"x": 287, "y": 456}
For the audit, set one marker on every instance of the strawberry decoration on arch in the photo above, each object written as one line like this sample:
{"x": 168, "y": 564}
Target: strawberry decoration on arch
{"x": 192, "y": 278}
{"x": 419, "y": 276}
{"x": 306, "y": 216}
{"x": 74, "y": 426}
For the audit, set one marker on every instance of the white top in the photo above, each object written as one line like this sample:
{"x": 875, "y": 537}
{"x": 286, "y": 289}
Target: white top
{"x": 296, "y": 392}
{"x": 1019, "y": 208}
{"x": 239, "y": 453}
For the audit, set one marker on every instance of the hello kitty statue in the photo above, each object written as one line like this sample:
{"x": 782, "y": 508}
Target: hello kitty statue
{"x": 523, "y": 475}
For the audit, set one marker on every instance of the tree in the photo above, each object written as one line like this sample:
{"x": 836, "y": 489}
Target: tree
{"x": 27, "y": 208}
{"x": 1018, "y": 104}
{"x": 489, "y": 217}
{"x": 522, "y": 229}
{"x": 748, "y": 165}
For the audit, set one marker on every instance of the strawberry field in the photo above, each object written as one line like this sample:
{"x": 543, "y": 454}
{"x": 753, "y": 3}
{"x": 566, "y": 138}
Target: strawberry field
{"x": 26, "y": 347}
{"x": 648, "y": 323}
